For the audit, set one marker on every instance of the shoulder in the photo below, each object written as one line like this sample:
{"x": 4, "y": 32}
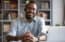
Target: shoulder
{"x": 15, "y": 21}
{"x": 39, "y": 19}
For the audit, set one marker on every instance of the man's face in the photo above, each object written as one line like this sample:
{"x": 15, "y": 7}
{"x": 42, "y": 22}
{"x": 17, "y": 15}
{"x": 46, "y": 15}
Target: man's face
{"x": 31, "y": 11}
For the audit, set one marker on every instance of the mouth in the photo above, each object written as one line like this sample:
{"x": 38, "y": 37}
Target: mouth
{"x": 29, "y": 16}
{"x": 29, "y": 13}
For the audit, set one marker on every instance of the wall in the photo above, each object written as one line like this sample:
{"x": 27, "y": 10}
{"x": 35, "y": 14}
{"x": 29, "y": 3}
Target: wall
{"x": 57, "y": 12}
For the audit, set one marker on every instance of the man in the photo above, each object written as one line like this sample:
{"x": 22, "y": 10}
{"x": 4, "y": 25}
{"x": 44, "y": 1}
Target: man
{"x": 28, "y": 29}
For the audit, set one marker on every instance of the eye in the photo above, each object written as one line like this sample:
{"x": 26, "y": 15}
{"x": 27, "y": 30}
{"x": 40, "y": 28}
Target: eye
{"x": 31, "y": 8}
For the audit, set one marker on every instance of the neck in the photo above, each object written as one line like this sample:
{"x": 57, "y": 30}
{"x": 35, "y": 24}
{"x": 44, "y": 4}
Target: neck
{"x": 29, "y": 20}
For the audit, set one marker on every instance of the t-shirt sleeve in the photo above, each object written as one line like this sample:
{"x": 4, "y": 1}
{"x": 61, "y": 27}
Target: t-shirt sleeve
{"x": 13, "y": 29}
{"x": 41, "y": 29}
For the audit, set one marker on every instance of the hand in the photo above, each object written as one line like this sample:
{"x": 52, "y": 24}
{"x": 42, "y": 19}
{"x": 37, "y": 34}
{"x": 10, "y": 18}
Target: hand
{"x": 28, "y": 36}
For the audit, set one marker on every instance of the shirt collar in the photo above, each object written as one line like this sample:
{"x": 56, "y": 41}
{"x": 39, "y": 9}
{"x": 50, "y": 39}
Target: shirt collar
{"x": 25, "y": 20}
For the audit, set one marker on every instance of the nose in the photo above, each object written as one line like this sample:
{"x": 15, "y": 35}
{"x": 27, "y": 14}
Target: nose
{"x": 30, "y": 10}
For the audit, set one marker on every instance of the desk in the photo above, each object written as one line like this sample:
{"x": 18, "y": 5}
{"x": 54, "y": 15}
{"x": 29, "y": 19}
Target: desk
{"x": 42, "y": 41}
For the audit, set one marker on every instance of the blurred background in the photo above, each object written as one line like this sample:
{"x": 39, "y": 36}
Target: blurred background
{"x": 53, "y": 11}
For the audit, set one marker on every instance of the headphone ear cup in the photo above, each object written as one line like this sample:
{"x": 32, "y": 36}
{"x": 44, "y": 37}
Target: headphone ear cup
{"x": 24, "y": 9}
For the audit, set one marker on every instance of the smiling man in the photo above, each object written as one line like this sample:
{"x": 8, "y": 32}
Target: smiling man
{"x": 30, "y": 28}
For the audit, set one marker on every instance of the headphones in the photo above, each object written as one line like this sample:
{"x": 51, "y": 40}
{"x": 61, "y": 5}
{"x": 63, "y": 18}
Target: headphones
{"x": 25, "y": 9}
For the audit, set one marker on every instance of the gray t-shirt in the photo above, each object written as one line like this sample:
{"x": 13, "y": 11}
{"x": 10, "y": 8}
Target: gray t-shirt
{"x": 20, "y": 26}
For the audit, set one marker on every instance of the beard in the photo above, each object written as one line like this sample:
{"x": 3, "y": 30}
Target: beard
{"x": 29, "y": 17}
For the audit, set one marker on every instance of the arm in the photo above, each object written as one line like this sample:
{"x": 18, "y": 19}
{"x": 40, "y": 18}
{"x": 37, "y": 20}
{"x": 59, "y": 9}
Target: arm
{"x": 12, "y": 33}
{"x": 11, "y": 38}
{"x": 42, "y": 30}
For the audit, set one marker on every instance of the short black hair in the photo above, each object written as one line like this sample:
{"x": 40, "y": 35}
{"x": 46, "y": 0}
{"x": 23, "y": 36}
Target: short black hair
{"x": 30, "y": 3}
